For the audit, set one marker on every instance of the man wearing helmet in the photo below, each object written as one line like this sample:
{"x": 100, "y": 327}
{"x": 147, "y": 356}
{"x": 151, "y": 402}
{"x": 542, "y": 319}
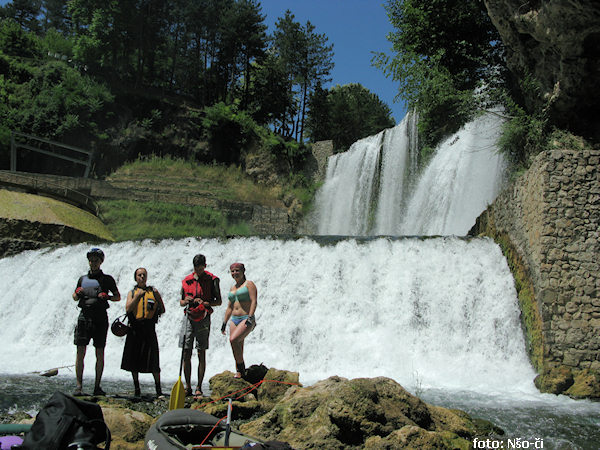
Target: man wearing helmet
{"x": 92, "y": 295}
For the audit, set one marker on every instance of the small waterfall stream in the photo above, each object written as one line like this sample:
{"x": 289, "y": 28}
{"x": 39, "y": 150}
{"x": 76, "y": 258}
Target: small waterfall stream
{"x": 375, "y": 189}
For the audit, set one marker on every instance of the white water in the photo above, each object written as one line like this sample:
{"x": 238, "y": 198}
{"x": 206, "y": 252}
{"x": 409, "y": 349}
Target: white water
{"x": 463, "y": 177}
{"x": 434, "y": 313}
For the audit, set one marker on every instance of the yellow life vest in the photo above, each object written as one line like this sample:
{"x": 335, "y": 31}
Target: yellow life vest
{"x": 147, "y": 306}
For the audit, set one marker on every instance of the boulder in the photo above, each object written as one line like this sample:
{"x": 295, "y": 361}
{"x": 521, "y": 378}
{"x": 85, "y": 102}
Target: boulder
{"x": 127, "y": 427}
{"x": 557, "y": 43}
{"x": 586, "y": 384}
{"x": 554, "y": 379}
{"x": 248, "y": 399}
{"x": 338, "y": 413}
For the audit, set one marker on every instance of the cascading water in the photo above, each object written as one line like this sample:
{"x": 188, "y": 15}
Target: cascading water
{"x": 375, "y": 189}
{"x": 409, "y": 307}
{"x": 438, "y": 315}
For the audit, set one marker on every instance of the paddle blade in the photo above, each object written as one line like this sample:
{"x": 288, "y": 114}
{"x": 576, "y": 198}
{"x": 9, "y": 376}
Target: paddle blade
{"x": 177, "y": 400}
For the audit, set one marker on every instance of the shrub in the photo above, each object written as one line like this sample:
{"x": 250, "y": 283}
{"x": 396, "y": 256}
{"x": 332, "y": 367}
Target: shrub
{"x": 229, "y": 132}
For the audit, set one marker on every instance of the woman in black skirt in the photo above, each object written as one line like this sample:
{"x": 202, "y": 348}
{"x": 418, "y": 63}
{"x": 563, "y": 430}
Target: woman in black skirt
{"x": 144, "y": 306}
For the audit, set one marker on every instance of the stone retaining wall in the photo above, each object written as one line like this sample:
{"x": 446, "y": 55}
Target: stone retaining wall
{"x": 263, "y": 219}
{"x": 19, "y": 235}
{"x": 550, "y": 218}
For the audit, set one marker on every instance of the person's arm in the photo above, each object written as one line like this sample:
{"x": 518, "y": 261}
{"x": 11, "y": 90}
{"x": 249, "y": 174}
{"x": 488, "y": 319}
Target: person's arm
{"x": 133, "y": 300}
{"x": 185, "y": 300}
{"x": 228, "y": 313}
{"x": 116, "y": 296}
{"x": 78, "y": 293}
{"x": 253, "y": 297}
{"x": 161, "y": 304}
{"x": 216, "y": 301}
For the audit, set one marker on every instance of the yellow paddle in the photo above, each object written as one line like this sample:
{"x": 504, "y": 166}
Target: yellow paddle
{"x": 177, "y": 400}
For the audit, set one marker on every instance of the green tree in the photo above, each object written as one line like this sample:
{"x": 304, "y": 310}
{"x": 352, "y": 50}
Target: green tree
{"x": 308, "y": 61}
{"x": 443, "y": 51}
{"x": 347, "y": 113}
{"x": 56, "y": 16}
{"x": 271, "y": 96}
{"x": 24, "y": 12}
{"x": 17, "y": 42}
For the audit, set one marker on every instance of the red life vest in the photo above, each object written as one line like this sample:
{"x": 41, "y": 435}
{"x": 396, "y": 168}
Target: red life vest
{"x": 203, "y": 289}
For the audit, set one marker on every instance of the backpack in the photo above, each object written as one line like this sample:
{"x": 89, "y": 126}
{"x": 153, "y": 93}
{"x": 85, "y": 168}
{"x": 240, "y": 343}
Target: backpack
{"x": 66, "y": 421}
{"x": 255, "y": 373}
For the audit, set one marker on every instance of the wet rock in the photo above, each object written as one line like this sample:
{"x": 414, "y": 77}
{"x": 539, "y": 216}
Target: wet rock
{"x": 338, "y": 414}
{"x": 554, "y": 380}
{"x": 128, "y": 428}
{"x": 248, "y": 399}
{"x": 586, "y": 384}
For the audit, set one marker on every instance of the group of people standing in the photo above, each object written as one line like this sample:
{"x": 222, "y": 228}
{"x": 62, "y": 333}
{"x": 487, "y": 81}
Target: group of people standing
{"x": 200, "y": 293}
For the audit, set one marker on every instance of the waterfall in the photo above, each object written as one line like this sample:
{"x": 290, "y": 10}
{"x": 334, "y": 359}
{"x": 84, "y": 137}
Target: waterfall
{"x": 442, "y": 311}
{"x": 375, "y": 189}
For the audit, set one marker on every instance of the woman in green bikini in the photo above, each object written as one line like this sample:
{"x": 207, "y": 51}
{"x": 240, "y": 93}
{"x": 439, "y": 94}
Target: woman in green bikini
{"x": 240, "y": 309}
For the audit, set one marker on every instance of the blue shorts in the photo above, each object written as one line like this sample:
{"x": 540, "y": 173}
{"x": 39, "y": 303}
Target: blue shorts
{"x": 237, "y": 319}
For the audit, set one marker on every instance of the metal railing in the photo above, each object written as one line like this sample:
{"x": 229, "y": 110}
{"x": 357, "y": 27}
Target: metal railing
{"x": 16, "y": 143}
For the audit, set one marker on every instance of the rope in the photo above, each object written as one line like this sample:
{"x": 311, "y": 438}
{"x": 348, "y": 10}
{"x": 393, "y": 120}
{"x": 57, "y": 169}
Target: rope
{"x": 248, "y": 389}
{"x": 210, "y": 432}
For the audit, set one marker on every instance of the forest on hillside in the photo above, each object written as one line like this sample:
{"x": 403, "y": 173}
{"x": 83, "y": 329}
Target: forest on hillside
{"x": 200, "y": 80}
{"x": 204, "y": 80}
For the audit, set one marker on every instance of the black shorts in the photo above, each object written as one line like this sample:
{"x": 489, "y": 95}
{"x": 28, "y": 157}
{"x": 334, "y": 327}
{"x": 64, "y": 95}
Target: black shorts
{"x": 91, "y": 327}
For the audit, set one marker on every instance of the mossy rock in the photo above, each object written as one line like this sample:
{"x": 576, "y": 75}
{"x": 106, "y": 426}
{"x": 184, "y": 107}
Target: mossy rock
{"x": 275, "y": 384}
{"x": 239, "y": 410}
{"x": 128, "y": 428}
{"x": 586, "y": 384}
{"x": 337, "y": 413}
{"x": 554, "y": 379}
{"x": 413, "y": 437}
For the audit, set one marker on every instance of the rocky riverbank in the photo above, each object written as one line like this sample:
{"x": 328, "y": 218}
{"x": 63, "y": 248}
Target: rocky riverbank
{"x": 335, "y": 413}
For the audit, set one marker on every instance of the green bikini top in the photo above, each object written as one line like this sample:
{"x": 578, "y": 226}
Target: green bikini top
{"x": 241, "y": 295}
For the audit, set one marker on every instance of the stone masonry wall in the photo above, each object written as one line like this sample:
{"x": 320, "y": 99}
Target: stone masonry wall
{"x": 264, "y": 220}
{"x": 551, "y": 216}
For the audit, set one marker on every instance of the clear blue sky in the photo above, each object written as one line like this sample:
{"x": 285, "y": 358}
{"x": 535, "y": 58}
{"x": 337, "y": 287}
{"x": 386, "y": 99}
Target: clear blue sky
{"x": 356, "y": 28}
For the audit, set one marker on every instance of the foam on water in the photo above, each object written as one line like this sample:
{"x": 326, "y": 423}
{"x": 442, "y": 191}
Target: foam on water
{"x": 441, "y": 312}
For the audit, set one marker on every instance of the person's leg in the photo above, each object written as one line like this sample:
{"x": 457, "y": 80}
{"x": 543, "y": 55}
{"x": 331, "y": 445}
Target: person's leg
{"x": 81, "y": 349}
{"x": 99, "y": 334}
{"x": 99, "y": 368}
{"x": 186, "y": 341}
{"x": 237, "y": 334}
{"x": 81, "y": 339}
{"x": 157, "y": 386}
{"x": 201, "y": 370}
{"x": 136, "y": 384}
{"x": 187, "y": 369}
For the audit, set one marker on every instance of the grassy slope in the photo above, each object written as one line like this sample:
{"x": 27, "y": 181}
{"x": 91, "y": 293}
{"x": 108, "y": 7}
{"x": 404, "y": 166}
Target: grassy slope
{"x": 130, "y": 219}
{"x": 227, "y": 183}
{"x": 36, "y": 208}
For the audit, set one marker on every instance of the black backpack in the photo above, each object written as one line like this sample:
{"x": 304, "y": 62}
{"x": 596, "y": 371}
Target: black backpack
{"x": 255, "y": 373}
{"x": 67, "y": 423}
